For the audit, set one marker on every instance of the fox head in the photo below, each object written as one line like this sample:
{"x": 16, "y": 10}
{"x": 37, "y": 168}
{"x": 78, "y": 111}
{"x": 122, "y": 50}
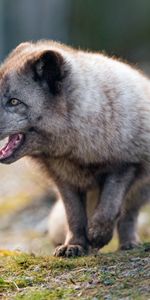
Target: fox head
{"x": 33, "y": 105}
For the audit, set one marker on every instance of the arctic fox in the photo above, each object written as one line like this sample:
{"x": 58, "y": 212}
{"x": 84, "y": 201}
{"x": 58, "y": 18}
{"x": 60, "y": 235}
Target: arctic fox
{"x": 86, "y": 118}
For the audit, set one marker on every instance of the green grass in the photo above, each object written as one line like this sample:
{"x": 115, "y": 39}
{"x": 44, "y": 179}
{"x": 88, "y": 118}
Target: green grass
{"x": 118, "y": 275}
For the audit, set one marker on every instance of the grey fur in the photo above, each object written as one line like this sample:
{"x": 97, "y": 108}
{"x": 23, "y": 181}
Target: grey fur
{"x": 86, "y": 118}
{"x": 127, "y": 221}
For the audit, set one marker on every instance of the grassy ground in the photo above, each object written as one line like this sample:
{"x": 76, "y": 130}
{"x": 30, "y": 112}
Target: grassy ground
{"x": 118, "y": 275}
{"x": 109, "y": 275}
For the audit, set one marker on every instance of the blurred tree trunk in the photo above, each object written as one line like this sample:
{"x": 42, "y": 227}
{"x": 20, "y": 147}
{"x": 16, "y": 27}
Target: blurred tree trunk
{"x": 32, "y": 20}
{"x": 1, "y": 29}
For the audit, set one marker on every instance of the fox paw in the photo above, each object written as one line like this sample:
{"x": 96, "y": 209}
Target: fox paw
{"x": 100, "y": 233}
{"x": 129, "y": 245}
{"x": 69, "y": 251}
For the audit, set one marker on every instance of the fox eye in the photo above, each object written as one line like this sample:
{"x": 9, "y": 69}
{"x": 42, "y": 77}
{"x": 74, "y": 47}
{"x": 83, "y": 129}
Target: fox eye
{"x": 13, "y": 102}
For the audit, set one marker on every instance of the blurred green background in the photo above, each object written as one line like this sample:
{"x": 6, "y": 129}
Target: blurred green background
{"x": 118, "y": 27}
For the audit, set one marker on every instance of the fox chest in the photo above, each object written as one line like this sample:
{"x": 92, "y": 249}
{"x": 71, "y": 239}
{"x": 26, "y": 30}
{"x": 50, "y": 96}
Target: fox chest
{"x": 73, "y": 173}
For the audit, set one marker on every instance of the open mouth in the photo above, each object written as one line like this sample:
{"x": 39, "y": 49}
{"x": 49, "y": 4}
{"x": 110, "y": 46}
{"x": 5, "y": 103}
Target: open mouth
{"x": 14, "y": 141}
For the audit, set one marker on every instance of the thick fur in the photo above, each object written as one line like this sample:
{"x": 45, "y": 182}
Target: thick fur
{"x": 126, "y": 225}
{"x": 86, "y": 118}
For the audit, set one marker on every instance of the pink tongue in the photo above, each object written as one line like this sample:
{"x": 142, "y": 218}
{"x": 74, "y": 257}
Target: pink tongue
{"x": 13, "y": 142}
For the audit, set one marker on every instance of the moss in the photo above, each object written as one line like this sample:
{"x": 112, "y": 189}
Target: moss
{"x": 104, "y": 276}
{"x": 58, "y": 293}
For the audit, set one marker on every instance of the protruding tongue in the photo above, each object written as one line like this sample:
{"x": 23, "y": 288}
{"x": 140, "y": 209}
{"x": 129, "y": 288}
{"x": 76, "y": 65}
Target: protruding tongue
{"x": 12, "y": 144}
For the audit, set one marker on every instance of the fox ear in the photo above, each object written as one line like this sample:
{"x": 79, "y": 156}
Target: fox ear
{"x": 49, "y": 67}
